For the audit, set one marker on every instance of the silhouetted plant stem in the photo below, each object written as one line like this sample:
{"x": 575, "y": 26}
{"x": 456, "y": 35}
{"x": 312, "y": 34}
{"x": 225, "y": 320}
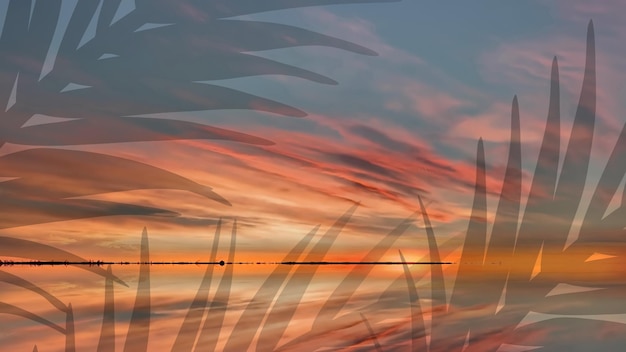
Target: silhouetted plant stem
{"x": 139, "y": 329}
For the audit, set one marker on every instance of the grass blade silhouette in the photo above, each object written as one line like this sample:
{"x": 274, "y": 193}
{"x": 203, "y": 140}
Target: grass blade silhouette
{"x": 348, "y": 286}
{"x": 6, "y": 308}
{"x": 214, "y": 320}
{"x": 567, "y": 195}
{"x": 18, "y": 281}
{"x": 106, "y": 342}
{"x": 499, "y": 248}
{"x": 277, "y": 321}
{"x": 341, "y": 295}
{"x": 251, "y": 316}
{"x": 472, "y": 254}
{"x": 418, "y": 329}
{"x": 560, "y": 201}
{"x": 372, "y": 334}
{"x": 190, "y": 326}
{"x": 14, "y": 247}
{"x": 502, "y": 242}
{"x": 70, "y": 334}
{"x": 437, "y": 286}
{"x": 437, "y": 282}
{"x": 139, "y": 329}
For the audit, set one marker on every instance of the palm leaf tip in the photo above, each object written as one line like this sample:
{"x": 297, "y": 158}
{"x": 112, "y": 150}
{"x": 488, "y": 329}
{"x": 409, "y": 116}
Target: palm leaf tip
{"x": 16, "y": 247}
{"x": 372, "y": 333}
{"x": 107, "y": 331}
{"x": 417, "y": 319}
{"x": 270, "y": 287}
{"x": 193, "y": 318}
{"x": 215, "y": 315}
{"x": 139, "y": 327}
{"x": 209, "y": 193}
{"x": 70, "y": 340}
{"x": 18, "y": 281}
{"x": 6, "y": 308}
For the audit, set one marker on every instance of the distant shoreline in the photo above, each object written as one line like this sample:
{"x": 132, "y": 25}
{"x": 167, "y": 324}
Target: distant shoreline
{"x": 221, "y": 263}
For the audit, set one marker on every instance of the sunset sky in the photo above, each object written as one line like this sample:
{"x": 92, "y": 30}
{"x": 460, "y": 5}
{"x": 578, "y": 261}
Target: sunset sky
{"x": 398, "y": 125}
{"x": 380, "y": 131}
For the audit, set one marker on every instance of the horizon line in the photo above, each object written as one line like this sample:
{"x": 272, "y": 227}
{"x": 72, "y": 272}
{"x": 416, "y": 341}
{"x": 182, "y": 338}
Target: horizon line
{"x": 220, "y": 263}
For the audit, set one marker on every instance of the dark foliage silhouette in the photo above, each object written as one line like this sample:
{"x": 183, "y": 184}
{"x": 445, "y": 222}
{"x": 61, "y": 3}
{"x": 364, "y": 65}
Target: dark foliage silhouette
{"x": 108, "y": 73}
{"x": 133, "y": 66}
{"x": 522, "y": 296}
{"x": 519, "y": 280}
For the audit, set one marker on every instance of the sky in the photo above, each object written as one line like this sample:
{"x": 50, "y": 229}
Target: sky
{"x": 397, "y": 125}
{"x": 380, "y": 130}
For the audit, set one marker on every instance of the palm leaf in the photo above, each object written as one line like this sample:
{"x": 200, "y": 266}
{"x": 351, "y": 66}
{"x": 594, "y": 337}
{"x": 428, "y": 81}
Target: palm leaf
{"x": 14, "y": 247}
{"x": 270, "y": 287}
{"x": 190, "y": 326}
{"x": 99, "y": 83}
{"x": 106, "y": 342}
{"x": 18, "y": 281}
{"x": 278, "y": 318}
{"x": 139, "y": 329}
{"x": 214, "y": 320}
{"x": 532, "y": 297}
{"x": 106, "y": 73}
{"x": 6, "y": 308}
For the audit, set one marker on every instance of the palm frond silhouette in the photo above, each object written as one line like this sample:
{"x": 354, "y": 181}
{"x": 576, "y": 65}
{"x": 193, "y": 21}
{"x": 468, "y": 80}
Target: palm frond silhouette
{"x": 107, "y": 73}
{"x": 122, "y": 70}
{"x": 524, "y": 295}
{"x": 527, "y": 281}
{"x": 110, "y": 72}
